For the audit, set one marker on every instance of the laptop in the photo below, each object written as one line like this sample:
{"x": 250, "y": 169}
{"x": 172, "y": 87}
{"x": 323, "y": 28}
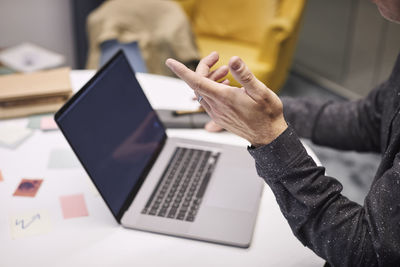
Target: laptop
{"x": 149, "y": 181}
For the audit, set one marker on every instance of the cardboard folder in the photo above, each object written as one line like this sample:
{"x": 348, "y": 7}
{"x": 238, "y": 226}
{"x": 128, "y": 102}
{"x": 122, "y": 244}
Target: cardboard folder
{"x": 39, "y": 92}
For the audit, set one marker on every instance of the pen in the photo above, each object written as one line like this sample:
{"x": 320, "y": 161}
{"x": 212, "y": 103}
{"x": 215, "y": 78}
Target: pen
{"x": 188, "y": 112}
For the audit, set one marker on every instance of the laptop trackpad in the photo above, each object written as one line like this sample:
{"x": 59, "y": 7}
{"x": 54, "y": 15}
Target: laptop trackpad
{"x": 240, "y": 190}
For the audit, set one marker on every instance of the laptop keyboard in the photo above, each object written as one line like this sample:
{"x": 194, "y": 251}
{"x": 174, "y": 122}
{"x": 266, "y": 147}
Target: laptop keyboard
{"x": 181, "y": 188}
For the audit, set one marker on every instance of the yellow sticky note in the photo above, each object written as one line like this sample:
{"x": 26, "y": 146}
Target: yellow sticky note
{"x": 30, "y": 223}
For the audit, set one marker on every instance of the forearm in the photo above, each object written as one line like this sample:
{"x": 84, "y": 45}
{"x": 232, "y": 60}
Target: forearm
{"x": 302, "y": 113}
{"x": 347, "y": 125}
{"x": 334, "y": 227}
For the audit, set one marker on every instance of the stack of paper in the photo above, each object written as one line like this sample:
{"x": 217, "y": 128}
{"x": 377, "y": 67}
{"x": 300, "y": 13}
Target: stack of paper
{"x": 39, "y": 92}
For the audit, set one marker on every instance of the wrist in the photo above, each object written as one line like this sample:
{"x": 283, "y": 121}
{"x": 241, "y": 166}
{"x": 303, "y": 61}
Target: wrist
{"x": 271, "y": 134}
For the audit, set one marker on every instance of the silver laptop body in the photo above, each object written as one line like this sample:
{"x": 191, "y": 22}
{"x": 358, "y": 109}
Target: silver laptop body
{"x": 227, "y": 210}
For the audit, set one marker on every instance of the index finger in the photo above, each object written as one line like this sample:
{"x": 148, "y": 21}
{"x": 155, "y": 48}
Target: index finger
{"x": 198, "y": 83}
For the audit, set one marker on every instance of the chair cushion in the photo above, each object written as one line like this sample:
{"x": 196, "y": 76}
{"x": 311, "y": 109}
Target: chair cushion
{"x": 234, "y": 19}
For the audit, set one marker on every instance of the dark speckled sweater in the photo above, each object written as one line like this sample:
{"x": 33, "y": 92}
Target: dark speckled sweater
{"x": 337, "y": 229}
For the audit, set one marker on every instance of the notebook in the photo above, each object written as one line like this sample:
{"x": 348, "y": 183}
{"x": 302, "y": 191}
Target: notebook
{"x": 149, "y": 181}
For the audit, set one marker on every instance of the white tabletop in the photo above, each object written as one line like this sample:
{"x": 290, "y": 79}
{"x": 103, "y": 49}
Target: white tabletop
{"x": 97, "y": 239}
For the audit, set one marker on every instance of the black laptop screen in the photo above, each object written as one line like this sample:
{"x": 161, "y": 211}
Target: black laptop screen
{"x": 113, "y": 130}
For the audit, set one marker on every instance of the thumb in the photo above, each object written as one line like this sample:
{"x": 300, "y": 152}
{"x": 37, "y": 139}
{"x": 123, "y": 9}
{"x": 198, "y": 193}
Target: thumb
{"x": 254, "y": 88}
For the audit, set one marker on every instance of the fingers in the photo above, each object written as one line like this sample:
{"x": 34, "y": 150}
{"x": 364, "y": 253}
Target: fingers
{"x": 226, "y": 82}
{"x": 254, "y": 88}
{"x": 202, "y": 85}
{"x": 219, "y": 73}
{"x": 206, "y": 63}
{"x": 212, "y": 126}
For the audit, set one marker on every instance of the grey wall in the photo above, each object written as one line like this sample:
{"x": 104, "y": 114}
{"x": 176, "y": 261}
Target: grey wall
{"x": 44, "y": 22}
{"x": 346, "y": 45}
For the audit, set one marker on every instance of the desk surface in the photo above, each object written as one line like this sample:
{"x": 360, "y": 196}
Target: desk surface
{"x": 97, "y": 239}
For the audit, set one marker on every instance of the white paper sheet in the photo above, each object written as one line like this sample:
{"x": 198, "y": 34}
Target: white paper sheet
{"x": 11, "y": 135}
{"x": 28, "y": 57}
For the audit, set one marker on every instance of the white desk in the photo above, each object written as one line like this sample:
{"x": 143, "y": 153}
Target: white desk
{"x": 97, "y": 240}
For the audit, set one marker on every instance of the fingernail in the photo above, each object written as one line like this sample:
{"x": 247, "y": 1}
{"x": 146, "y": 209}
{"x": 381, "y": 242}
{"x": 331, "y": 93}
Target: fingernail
{"x": 236, "y": 65}
{"x": 169, "y": 64}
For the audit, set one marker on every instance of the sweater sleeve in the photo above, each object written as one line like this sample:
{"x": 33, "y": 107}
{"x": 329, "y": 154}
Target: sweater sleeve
{"x": 335, "y": 228}
{"x": 348, "y": 125}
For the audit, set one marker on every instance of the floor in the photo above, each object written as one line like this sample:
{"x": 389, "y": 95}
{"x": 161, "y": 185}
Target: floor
{"x": 354, "y": 170}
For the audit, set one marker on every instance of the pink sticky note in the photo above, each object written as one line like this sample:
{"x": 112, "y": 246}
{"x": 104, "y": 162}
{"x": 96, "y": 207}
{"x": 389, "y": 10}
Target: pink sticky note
{"x": 48, "y": 123}
{"x": 73, "y": 206}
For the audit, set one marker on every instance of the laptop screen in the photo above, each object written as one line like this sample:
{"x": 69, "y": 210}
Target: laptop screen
{"x": 113, "y": 130}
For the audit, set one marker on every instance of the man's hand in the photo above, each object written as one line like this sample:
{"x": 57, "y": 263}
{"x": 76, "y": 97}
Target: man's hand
{"x": 203, "y": 69}
{"x": 253, "y": 112}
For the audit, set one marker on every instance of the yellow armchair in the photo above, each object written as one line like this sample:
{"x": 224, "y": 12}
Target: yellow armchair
{"x": 262, "y": 32}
